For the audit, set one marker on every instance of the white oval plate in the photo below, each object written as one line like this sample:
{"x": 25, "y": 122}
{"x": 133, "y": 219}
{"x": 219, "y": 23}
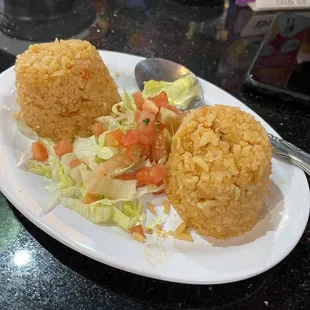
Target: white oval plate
{"x": 274, "y": 236}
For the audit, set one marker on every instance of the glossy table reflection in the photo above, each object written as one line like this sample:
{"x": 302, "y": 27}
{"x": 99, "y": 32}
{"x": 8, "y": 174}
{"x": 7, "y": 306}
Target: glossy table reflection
{"x": 216, "y": 43}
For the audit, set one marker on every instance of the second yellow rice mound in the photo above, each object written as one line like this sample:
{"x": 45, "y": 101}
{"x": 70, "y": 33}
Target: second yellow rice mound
{"x": 62, "y": 87}
{"x": 218, "y": 171}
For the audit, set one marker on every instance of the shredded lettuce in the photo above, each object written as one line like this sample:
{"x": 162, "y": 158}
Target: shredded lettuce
{"x": 65, "y": 161}
{"x": 64, "y": 179}
{"x": 71, "y": 191}
{"x": 75, "y": 173}
{"x": 94, "y": 213}
{"x": 51, "y": 188}
{"x": 106, "y": 121}
{"x": 120, "y": 171}
{"x": 130, "y": 214}
{"x": 113, "y": 188}
{"x": 128, "y": 103}
{"x": 122, "y": 220}
{"x": 53, "y": 159}
{"x": 124, "y": 121}
{"x": 37, "y": 168}
{"x": 106, "y": 152}
{"x": 51, "y": 202}
{"x": 147, "y": 190}
{"x": 102, "y": 213}
{"x": 178, "y": 92}
{"x": 86, "y": 150}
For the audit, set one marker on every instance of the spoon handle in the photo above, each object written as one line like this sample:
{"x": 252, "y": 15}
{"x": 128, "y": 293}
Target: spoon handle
{"x": 291, "y": 152}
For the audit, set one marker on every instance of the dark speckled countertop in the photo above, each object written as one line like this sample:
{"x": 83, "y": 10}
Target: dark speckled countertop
{"x": 217, "y": 42}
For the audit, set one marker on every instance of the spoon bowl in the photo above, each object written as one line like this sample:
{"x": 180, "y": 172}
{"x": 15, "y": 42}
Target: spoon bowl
{"x": 165, "y": 70}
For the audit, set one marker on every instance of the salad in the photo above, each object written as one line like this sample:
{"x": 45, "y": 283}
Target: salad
{"x": 103, "y": 177}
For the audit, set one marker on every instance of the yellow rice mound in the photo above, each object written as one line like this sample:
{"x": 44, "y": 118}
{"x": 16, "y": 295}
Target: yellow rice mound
{"x": 218, "y": 171}
{"x": 62, "y": 87}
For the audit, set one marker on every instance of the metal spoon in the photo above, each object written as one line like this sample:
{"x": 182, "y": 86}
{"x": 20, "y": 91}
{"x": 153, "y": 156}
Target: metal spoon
{"x": 165, "y": 70}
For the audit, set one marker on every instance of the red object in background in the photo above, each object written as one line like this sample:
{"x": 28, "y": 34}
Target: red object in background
{"x": 276, "y": 68}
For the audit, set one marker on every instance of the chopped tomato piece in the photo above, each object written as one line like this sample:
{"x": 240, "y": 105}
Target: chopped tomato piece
{"x": 98, "y": 129}
{"x": 161, "y": 99}
{"x": 151, "y": 106}
{"x": 146, "y": 130}
{"x": 144, "y": 140}
{"x": 160, "y": 192}
{"x": 126, "y": 176}
{"x": 173, "y": 109}
{"x": 63, "y": 147}
{"x": 131, "y": 137}
{"x": 159, "y": 146}
{"x": 74, "y": 163}
{"x": 146, "y": 123}
{"x": 138, "y": 229}
{"x": 39, "y": 151}
{"x": 146, "y": 117}
{"x": 137, "y": 115}
{"x": 119, "y": 160}
{"x": 89, "y": 198}
{"x": 113, "y": 138}
{"x": 139, "y": 100}
{"x": 151, "y": 175}
{"x": 134, "y": 152}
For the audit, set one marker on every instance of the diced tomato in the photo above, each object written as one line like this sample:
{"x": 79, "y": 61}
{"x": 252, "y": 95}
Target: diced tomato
{"x": 160, "y": 192}
{"x": 119, "y": 160}
{"x": 127, "y": 176}
{"x": 144, "y": 140}
{"x": 98, "y": 129}
{"x": 138, "y": 229}
{"x": 151, "y": 175}
{"x": 131, "y": 137}
{"x": 146, "y": 123}
{"x": 173, "y": 109}
{"x": 151, "y": 106}
{"x": 63, "y": 147}
{"x": 39, "y": 151}
{"x": 159, "y": 146}
{"x": 161, "y": 99}
{"x": 137, "y": 115}
{"x": 146, "y": 129}
{"x": 146, "y": 117}
{"x": 74, "y": 163}
{"x": 134, "y": 152}
{"x": 139, "y": 100}
{"x": 113, "y": 138}
{"x": 89, "y": 198}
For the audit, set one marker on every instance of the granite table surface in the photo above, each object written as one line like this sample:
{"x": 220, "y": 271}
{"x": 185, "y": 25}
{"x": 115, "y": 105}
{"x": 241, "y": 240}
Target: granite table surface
{"x": 217, "y": 41}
